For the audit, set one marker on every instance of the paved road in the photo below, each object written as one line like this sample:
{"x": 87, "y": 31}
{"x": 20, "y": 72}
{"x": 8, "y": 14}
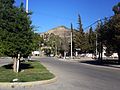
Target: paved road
{"x": 76, "y": 76}
{"x": 5, "y": 60}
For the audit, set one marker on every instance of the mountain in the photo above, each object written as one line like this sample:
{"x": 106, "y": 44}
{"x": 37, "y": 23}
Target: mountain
{"x": 61, "y": 31}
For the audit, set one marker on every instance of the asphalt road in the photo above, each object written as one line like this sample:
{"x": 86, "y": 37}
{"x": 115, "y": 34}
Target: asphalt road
{"x": 76, "y": 76}
{"x": 5, "y": 60}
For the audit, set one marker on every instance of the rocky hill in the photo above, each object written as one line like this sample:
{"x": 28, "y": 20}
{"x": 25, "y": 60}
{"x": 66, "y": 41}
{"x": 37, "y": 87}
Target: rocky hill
{"x": 61, "y": 31}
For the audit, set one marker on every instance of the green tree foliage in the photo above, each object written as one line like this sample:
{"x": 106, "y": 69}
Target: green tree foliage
{"x": 65, "y": 45}
{"x": 85, "y": 41}
{"x": 113, "y": 33}
{"x": 116, "y": 8}
{"x": 53, "y": 41}
{"x": 79, "y": 36}
{"x": 109, "y": 33}
{"x": 100, "y": 39}
{"x": 5, "y": 5}
{"x": 91, "y": 40}
{"x": 16, "y": 32}
{"x": 37, "y": 41}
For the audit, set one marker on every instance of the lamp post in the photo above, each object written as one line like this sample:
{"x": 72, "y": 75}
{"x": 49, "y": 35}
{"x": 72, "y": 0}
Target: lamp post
{"x": 26, "y": 6}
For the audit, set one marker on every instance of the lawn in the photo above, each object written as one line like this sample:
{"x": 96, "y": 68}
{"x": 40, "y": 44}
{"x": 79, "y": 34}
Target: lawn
{"x": 30, "y": 71}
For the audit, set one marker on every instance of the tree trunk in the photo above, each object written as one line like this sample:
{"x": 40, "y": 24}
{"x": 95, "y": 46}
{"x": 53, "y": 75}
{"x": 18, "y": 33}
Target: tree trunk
{"x": 118, "y": 56}
{"x": 14, "y": 64}
{"x": 56, "y": 51}
{"x": 99, "y": 57}
{"x": 64, "y": 55}
{"x": 101, "y": 51}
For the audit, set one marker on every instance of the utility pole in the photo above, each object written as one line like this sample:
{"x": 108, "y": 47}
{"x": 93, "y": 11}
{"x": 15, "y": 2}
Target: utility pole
{"x": 96, "y": 44}
{"x": 26, "y": 6}
{"x": 71, "y": 40}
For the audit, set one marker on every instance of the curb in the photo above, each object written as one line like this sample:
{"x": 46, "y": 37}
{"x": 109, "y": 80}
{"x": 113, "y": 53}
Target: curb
{"x": 104, "y": 67}
{"x": 29, "y": 84}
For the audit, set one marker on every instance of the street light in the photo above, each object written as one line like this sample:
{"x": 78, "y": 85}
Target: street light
{"x": 26, "y": 6}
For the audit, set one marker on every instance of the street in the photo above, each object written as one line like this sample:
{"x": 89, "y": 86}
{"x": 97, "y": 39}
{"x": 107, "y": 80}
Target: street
{"x": 76, "y": 76}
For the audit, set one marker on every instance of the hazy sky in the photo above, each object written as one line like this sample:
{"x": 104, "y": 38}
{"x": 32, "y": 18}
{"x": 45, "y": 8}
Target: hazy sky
{"x": 48, "y": 14}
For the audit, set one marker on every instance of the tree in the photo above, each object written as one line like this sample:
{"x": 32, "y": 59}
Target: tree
{"x": 5, "y": 5}
{"x": 113, "y": 33}
{"x": 18, "y": 37}
{"x": 54, "y": 41}
{"x": 91, "y": 38}
{"x": 100, "y": 39}
{"x": 109, "y": 32}
{"x": 116, "y": 8}
{"x": 79, "y": 36}
{"x": 37, "y": 41}
{"x": 65, "y": 46}
{"x": 113, "y": 30}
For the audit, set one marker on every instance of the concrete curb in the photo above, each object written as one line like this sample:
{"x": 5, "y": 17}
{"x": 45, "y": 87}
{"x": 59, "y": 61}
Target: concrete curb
{"x": 27, "y": 84}
{"x": 105, "y": 67}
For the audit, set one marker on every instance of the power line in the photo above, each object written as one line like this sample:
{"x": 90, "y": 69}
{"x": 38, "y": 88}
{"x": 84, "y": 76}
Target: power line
{"x": 99, "y": 20}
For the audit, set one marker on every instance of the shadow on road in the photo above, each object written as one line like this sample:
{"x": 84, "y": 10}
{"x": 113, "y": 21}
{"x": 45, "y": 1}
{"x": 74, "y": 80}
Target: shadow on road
{"x": 109, "y": 63}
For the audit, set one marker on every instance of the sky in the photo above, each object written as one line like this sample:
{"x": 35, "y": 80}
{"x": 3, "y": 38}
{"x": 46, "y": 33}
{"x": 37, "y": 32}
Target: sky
{"x": 48, "y": 14}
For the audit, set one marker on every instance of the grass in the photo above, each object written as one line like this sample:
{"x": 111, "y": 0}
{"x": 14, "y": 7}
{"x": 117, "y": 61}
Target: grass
{"x": 30, "y": 71}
